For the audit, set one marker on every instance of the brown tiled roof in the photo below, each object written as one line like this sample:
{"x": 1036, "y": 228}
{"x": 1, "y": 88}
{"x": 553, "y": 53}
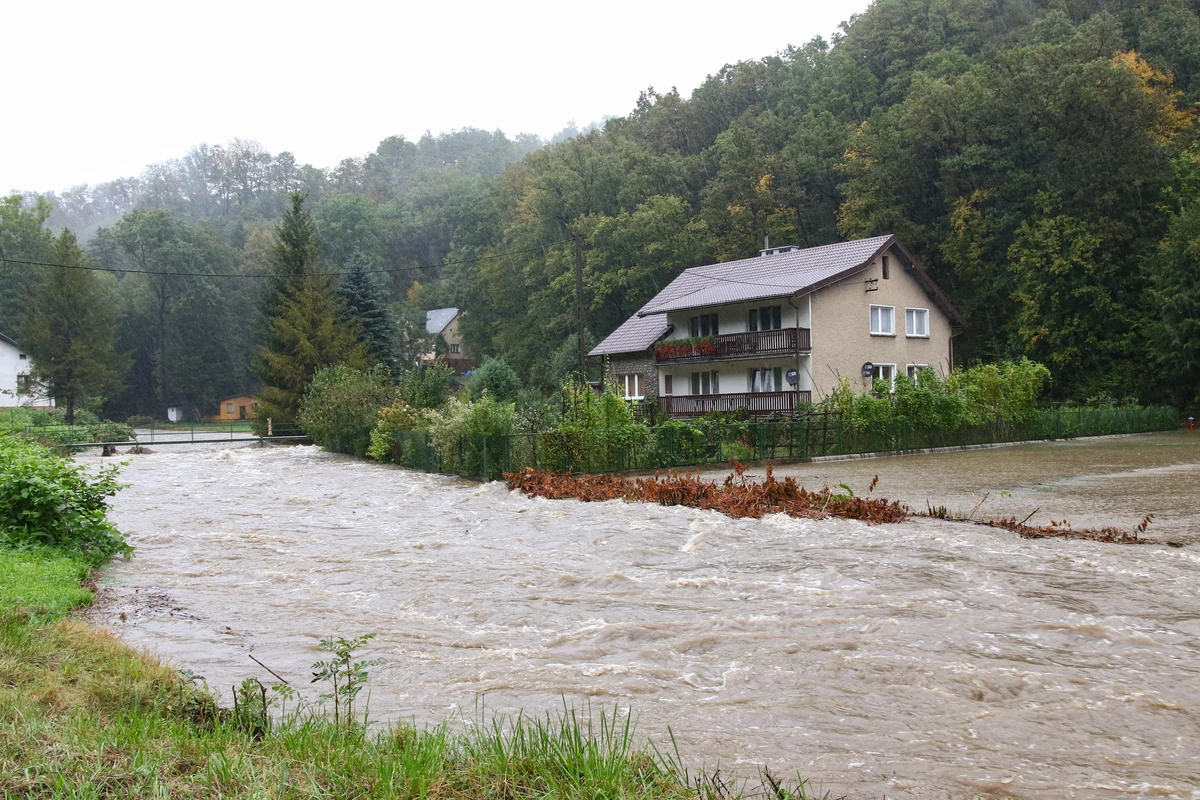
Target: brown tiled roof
{"x": 763, "y": 277}
{"x": 635, "y": 335}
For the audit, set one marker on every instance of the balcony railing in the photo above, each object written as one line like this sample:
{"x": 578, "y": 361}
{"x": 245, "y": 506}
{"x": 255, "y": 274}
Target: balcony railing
{"x": 751, "y": 344}
{"x": 759, "y": 404}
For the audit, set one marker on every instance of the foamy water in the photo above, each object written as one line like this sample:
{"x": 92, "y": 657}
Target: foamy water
{"x": 924, "y": 659}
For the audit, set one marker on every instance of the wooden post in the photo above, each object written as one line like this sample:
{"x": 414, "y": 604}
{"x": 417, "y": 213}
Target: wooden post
{"x": 269, "y": 428}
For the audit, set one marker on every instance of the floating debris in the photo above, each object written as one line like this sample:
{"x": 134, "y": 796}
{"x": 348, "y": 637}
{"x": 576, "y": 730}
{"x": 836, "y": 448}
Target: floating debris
{"x": 738, "y": 498}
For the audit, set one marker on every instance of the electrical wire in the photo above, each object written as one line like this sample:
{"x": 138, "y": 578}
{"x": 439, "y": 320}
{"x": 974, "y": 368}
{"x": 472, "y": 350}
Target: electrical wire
{"x": 132, "y": 271}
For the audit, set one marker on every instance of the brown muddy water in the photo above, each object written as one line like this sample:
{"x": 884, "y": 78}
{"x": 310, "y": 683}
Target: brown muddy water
{"x": 924, "y": 659}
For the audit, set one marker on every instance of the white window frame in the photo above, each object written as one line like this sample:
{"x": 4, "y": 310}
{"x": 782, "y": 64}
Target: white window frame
{"x": 919, "y": 313}
{"x": 761, "y": 376}
{"x": 891, "y": 381}
{"x": 634, "y": 380}
{"x": 455, "y": 348}
{"x": 911, "y": 370}
{"x": 229, "y": 408}
{"x": 891, "y": 331}
{"x": 710, "y": 376}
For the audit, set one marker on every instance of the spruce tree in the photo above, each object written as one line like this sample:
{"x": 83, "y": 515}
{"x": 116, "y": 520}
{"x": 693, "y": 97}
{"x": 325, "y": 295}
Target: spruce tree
{"x": 70, "y": 329}
{"x": 363, "y": 299}
{"x": 306, "y": 325}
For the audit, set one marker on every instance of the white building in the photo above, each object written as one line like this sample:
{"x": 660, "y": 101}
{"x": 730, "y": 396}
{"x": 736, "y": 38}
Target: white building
{"x": 16, "y": 387}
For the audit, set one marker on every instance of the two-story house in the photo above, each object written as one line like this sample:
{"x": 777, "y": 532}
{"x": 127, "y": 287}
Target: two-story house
{"x": 770, "y": 332}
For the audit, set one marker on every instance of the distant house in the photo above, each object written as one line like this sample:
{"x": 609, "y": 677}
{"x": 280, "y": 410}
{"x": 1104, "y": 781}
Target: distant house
{"x": 767, "y": 333}
{"x": 443, "y": 323}
{"x": 17, "y": 387}
{"x": 233, "y": 409}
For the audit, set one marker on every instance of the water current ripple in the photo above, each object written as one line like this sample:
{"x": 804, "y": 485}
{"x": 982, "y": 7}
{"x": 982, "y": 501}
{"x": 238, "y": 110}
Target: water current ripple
{"x": 925, "y": 659}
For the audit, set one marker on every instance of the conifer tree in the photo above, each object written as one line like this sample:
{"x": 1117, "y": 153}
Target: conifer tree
{"x": 70, "y": 329}
{"x": 363, "y": 298}
{"x": 306, "y": 325}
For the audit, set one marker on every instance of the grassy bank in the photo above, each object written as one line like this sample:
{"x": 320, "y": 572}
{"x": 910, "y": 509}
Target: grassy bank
{"x": 83, "y": 716}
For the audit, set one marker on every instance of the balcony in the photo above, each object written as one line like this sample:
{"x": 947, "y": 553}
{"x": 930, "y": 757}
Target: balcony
{"x": 759, "y": 404}
{"x": 732, "y": 346}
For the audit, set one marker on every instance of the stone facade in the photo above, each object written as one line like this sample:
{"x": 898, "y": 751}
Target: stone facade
{"x": 642, "y": 364}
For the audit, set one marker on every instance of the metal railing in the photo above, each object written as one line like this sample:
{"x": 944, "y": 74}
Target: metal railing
{"x": 758, "y": 404}
{"x": 678, "y": 445}
{"x": 750, "y": 344}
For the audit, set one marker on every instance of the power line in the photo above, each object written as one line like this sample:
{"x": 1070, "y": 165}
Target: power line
{"x": 130, "y": 271}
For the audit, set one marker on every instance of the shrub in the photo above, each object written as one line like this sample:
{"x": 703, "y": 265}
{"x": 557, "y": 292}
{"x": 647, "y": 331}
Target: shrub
{"x": 425, "y": 387}
{"x": 342, "y": 405}
{"x": 496, "y": 378}
{"x": 397, "y": 417}
{"x": 111, "y": 432}
{"x": 458, "y": 430}
{"x": 139, "y": 421}
{"x": 48, "y": 501}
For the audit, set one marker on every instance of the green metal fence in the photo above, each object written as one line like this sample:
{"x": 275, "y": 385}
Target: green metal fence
{"x": 819, "y": 434}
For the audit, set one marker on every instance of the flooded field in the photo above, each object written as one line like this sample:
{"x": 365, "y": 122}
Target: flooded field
{"x": 923, "y": 659}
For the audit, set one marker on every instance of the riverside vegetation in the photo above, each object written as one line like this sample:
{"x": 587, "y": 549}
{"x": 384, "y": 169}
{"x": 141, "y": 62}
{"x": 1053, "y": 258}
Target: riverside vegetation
{"x": 494, "y": 427}
{"x": 83, "y": 716}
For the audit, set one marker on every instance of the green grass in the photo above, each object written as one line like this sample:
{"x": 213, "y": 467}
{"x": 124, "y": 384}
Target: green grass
{"x": 41, "y": 582}
{"x": 83, "y": 716}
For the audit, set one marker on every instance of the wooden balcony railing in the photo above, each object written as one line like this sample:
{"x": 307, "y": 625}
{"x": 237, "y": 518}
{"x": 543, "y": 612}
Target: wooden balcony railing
{"x": 759, "y": 404}
{"x": 781, "y": 342}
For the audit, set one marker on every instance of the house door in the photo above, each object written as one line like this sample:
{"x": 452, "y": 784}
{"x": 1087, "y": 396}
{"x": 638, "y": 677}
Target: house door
{"x": 241, "y": 412}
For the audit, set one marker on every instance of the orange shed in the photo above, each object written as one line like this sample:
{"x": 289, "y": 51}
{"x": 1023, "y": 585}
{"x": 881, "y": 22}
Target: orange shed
{"x": 232, "y": 409}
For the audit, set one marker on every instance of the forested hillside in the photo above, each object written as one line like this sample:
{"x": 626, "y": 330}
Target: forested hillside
{"x": 1039, "y": 158}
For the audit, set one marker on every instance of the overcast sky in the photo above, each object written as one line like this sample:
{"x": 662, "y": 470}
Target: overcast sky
{"x": 98, "y": 90}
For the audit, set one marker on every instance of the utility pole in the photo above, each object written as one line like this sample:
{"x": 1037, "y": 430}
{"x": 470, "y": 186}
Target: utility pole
{"x": 579, "y": 306}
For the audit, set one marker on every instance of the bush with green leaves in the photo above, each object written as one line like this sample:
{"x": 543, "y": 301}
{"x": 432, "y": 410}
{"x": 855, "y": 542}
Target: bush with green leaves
{"x": 459, "y": 429}
{"x": 398, "y": 417}
{"x": 342, "y": 405}
{"x": 49, "y": 501}
{"x": 497, "y": 379}
{"x": 1006, "y": 391}
{"x": 596, "y": 432}
{"x": 425, "y": 387}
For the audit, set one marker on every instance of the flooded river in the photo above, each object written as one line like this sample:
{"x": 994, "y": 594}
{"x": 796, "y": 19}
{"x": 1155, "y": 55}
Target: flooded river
{"x": 924, "y": 659}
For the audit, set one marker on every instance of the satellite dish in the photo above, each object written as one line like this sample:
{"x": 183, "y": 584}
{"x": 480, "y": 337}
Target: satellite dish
{"x": 792, "y": 376}
{"x": 868, "y": 369}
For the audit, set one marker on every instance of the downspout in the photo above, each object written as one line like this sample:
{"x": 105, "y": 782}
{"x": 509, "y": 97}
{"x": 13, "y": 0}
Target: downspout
{"x": 796, "y": 308}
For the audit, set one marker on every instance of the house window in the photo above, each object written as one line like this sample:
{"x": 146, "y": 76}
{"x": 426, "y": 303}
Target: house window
{"x": 916, "y": 322}
{"x": 706, "y": 383}
{"x": 914, "y": 369}
{"x": 705, "y": 325}
{"x": 454, "y": 348}
{"x": 767, "y": 379}
{"x": 883, "y": 322}
{"x": 23, "y": 356}
{"x": 229, "y": 408}
{"x": 885, "y": 372}
{"x": 632, "y": 386}
{"x": 668, "y": 387}
{"x": 767, "y": 318}
{"x": 886, "y": 268}
{"x": 24, "y": 384}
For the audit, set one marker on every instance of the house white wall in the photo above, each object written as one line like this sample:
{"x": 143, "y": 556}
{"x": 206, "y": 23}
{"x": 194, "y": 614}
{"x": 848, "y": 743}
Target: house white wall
{"x": 734, "y": 376}
{"x": 736, "y": 318}
{"x": 14, "y": 363}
